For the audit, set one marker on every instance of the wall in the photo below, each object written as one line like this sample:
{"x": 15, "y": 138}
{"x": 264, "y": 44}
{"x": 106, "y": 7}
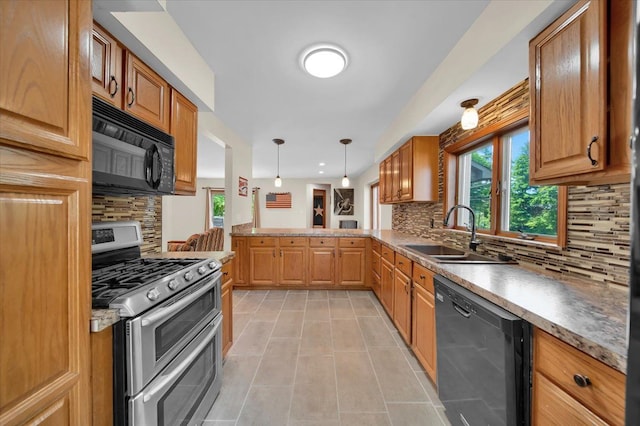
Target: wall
{"x": 598, "y": 245}
{"x": 145, "y": 209}
{"x": 364, "y": 182}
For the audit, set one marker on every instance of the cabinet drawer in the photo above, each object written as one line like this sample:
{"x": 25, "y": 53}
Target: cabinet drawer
{"x": 262, "y": 242}
{"x": 227, "y": 272}
{"x": 375, "y": 246}
{"x": 322, "y": 242}
{"x": 293, "y": 242}
{"x": 404, "y": 264}
{"x": 560, "y": 362}
{"x": 423, "y": 276}
{"x": 387, "y": 254}
{"x": 351, "y": 242}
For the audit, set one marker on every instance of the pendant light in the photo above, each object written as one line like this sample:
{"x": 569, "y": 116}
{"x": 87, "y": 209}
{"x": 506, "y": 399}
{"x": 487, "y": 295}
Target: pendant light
{"x": 278, "y": 181}
{"x": 469, "y": 118}
{"x": 345, "y": 179}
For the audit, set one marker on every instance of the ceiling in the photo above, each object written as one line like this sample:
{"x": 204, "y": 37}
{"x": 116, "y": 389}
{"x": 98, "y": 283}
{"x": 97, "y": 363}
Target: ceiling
{"x": 394, "y": 47}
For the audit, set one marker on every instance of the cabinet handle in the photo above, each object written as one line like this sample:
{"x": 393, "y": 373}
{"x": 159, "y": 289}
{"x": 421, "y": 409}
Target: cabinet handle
{"x": 593, "y": 140}
{"x": 422, "y": 277}
{"x": 274, "y": 252}
{"x": 133, "y": 96}
{"x": 351, "y": 242}
{"x": 582, "y": 381}
{"x": 400, "y": 262}
{"x": 321, "y": 242}
{"x": 280, "y": 252}
{"x": 225, "y": 273}
{"x": 113, "y": 80}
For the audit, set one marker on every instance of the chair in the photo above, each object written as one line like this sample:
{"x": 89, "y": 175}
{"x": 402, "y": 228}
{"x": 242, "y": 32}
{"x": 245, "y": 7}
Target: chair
{"x": 349, "y": 224}
{"x": 211, "y": 240}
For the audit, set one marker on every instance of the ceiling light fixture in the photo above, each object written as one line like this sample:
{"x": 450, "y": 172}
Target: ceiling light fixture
{"x": 469, "y": 118}
{"x": 324, "y": 60}
{"x": 345, "y": 179}
{"x": 278, "y": 181}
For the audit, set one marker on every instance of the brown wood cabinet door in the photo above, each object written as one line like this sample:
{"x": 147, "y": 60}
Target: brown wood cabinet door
{"x": 263, "y": 266}
{"x": 227, "y": 306}
{"x": 402, "y": 304}
{"x": 406, "y": 172}
{"x": 386, "y": 286}
{"x": 322, "y": 266}
{"x": 388, "y": 178}
{"x": 44, "y": 71}
{"x": 395, "y": 176}
{"x": 106, "y": 66}
{"x": 147, "y": 95}
{"x": 184, "y": 128}
{"x": 423, "y": 334}
{"x": 351, "y": 266}
{"x": 382, "y": 182}
{"x": 568, "y": 75}
{"x": 241, "y": 260}
{"x": 293, "y": 264}
{"x": 45, "y": 212}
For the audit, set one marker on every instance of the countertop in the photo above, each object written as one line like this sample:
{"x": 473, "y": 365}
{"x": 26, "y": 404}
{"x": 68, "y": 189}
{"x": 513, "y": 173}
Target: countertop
{"x": 103, "y": 318}
{"x": 589, "y": 316}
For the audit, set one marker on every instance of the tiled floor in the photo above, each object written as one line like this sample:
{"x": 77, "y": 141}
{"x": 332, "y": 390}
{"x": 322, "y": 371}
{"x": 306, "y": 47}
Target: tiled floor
{"x": 320, "y": 358}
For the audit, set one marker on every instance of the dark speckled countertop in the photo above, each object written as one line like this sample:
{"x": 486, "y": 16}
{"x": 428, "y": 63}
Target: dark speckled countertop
{"x": 590, "y": 316}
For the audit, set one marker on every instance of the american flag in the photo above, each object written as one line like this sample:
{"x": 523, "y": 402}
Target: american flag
{"x": 280, "y": 200}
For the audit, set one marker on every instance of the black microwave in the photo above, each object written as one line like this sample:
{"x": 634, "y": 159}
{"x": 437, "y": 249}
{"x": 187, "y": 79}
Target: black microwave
{"x": 129, "y": 156}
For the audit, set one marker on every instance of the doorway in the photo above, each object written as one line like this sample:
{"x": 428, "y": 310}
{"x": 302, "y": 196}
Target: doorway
{"x": 318, "y": 214}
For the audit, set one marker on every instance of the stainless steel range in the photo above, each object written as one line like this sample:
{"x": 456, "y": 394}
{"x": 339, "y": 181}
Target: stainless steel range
{"x": 168, "y": 345}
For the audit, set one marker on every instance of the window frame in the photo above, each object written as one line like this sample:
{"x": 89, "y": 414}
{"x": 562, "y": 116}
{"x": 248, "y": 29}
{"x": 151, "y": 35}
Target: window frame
{"x": 492, "y": 134}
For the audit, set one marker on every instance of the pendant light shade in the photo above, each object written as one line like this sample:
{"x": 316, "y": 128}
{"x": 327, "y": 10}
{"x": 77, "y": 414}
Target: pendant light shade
{"x": 469, "y": 118}
{"x": 345, "y": 179}
{"x": 278, "y": 182}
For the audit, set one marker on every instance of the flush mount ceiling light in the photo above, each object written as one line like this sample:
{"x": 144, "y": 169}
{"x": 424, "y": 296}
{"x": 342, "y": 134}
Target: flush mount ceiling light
{"x": 278, "y": 181}
{"x": 345, "y": 179}
{"x": 469, "y": 118}
{"x": 324, "y": 60}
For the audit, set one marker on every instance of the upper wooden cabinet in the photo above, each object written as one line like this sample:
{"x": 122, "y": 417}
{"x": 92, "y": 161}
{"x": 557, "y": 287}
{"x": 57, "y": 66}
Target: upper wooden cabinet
{"x": 45, "y": 212}
{"x": 411, "y": 172}
{"x": 580, "y": 84}
{"x": 184, "y": 128}
{"x": 147, "y": 95}
{"x": 106, "y": 66}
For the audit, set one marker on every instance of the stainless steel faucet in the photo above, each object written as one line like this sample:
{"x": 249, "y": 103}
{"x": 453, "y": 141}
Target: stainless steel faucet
{"x": 474, "y": 241}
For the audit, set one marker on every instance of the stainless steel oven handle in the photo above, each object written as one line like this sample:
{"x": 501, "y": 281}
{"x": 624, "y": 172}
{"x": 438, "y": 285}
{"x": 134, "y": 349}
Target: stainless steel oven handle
{"x": 162, "y": 313}
{"x": 182, "y": 367}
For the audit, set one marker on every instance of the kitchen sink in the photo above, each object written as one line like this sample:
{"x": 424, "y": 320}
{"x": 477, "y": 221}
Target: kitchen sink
{"x": 470, "y": 258}
{"x": 434, "y": 250}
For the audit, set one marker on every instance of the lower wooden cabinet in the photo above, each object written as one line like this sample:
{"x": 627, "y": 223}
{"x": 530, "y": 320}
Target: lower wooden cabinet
{"x": 293, "y": 260}
{"x": 386, "y": 286}
{"x": 402, "y": 304}
{"x": 263, "y": 265}
{"x": 321, "y": 266}
{"x": 351, "y": 266}
{"x": 423, "y": 319}
{"x": 227, "y": 306}
{"x": 570, "y": 387}
{"x": 102, "y": 377}
{"x": 240, "y": 261}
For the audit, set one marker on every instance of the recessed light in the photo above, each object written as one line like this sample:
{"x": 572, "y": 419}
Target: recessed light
{"x": 321, "y": 172}
{"x": 322, "y": 164}
{"x": 324, "y": 60}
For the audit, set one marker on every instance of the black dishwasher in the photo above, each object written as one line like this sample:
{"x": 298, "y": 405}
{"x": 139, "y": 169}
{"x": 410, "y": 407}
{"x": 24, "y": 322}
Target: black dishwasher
{"x": 483, "y": 359}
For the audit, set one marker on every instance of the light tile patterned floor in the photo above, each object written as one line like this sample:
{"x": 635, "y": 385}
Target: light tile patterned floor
{"x": 320, "y": 357}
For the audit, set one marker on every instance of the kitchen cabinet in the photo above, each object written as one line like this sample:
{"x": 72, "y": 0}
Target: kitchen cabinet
{"x": 570, "y": 387}
{"x": 106, "y": 66}
{"x": 184, "y": 128}
{"x": 263, "y": 265}
{"x": 322, "y": 263}
{"x": 402, "y": 296}
{"x": 580, "y": 101}
{"x": 239, "y": 247}
{"x": 386, "y": 279}
{"x": 411, "y": 172}
{"x": 292, "y": 261}
{"x": 352, "y": 261}
{"x": 147, "y": 96}
{"x": 227, "y": 306}
{"x": 45, "y": 212}
{"x": 423, "y": 320}
{"x": 376, "y": 264}
{"x": 102, "y": 377}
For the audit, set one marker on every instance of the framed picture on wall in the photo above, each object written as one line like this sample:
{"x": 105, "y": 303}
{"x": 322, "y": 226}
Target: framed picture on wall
{"x": 343, "y": 201}
{"x": 243, "y": 186}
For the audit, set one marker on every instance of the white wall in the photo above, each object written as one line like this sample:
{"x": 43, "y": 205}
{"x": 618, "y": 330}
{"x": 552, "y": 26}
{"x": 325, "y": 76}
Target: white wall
{"x": 364, "y": 182}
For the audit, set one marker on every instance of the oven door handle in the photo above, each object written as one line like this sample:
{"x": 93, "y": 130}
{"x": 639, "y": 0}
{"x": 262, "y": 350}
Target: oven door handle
{"x": 182, "y": 367}
{"x": 163, "y": 313}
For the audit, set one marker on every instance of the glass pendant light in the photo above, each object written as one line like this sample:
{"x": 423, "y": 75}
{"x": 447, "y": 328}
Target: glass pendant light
{"x": 278, "y": 182}
{"x": 469, "y": 118}
{"x": 345, "y": 179}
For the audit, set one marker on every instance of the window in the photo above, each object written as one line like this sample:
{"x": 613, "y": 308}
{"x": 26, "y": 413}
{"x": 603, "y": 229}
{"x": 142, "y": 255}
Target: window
{"x": 375, "y": 206}
{"x": 489, "y": 172}
{"x": 215, "y": 208}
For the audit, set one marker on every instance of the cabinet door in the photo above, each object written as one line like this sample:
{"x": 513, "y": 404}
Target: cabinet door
{"x": 147, "y": 95}
{"x": 184, "y": 128}
{"x": 395, "y": 176}
{"x": 263, "y": 266}
{"x": 406, "y": 172}
{"x": 351, "y": 266}
{"x": 382, "y": 180}
{"x": 388, "y": 179}
{"x": 44, "y": 69}
{"x": 402, "y": 304}
{"x": 386, "y": 286}
{"x": 106, "y": 66}
{"x": 241, "y": 260}
{"x": 423, "y": 333}
{"x": 227, "y": 306}
{"x": 568, "y": 75}
{"x": 293, "y": 263}
{"x": 321, "y": 266}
